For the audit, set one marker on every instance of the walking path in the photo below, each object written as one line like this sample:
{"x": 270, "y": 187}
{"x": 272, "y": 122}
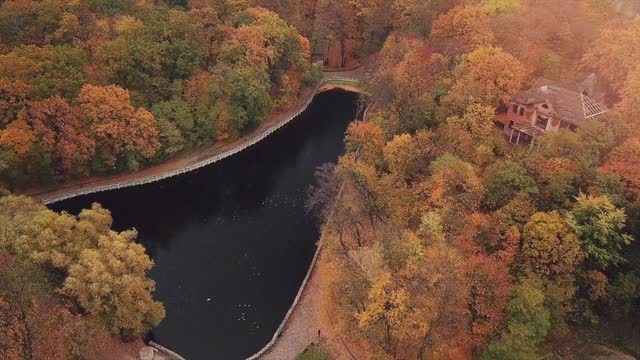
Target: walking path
{"x": 301, "y": 325}
{"x": 301, "y": 328}
{"x": 200, "y": 157}
{"x": 304, "y": 327}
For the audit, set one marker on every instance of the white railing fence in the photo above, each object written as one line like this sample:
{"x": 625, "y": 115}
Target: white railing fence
{"x": 200, "y": 164}
{"x": 208, "y": 161}
{"x": 312, "y": 267}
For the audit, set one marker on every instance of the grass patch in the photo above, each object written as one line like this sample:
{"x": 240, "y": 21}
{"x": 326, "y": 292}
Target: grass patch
{"x": 620, "y": 345}
{"x": 346, "y": 83}
{"x": 313, "y": 352}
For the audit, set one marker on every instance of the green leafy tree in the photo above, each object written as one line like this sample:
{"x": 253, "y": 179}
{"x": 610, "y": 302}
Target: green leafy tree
{"x": 178, "y": 113}
{"x": 527, "y": 325}
{"x": 133, "y": 60}
{"x": 625, "y": 294}
{"x": 50, "y": 70}
{"x": 111, "y": 6}
{"x": 182, "y": 52}
{"x": 600, "y": 227}
{"x": 504, "y": 181}
{"x": 248, "y": 97}
{"x": 597, "y": 135}
{"x": 170, "y": 138}
{"x": 29, "y": 22}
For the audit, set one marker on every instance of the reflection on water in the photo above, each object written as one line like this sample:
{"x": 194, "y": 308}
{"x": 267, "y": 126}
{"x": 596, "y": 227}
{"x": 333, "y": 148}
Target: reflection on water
{"x": 232, "y": 242}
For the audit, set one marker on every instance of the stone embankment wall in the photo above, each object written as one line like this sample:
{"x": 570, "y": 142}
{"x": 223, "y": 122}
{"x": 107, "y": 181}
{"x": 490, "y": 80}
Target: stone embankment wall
{"x": 202, "y": 163}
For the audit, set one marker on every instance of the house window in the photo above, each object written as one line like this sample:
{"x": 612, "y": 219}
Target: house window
{"x": 511, "y": 124}
{"x": 542, "y": 122}
{"x": 564, "y": 124}
{"x": 521, "y": 111}
{"x": 515, "y": 108}
{"x": 545, "y": 106}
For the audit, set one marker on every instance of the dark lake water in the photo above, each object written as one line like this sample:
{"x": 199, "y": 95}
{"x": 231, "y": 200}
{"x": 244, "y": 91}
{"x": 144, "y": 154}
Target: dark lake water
{"x": 232, "y": 242}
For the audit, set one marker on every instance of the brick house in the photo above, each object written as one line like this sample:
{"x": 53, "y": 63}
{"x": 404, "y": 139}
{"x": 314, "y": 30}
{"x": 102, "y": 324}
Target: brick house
{"x": 550, "y": 106}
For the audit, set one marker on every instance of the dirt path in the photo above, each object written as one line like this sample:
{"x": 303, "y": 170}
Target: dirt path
{"x": 302, "y": 327}
{"x": 187, "y": 159}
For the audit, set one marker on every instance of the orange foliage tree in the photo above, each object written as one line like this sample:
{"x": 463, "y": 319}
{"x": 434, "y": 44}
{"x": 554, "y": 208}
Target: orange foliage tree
{"x": 620, "y": 45}
{"x": 19, "y": 137}
{"x": 487, "y": 275}
{"x": 35, "y": 324}
{"x": 366, "y": 138}
{"x": 13, "y": 95}
{"x": 115, "y": 125}
{"x": 336, "y": 32}
{"x": 624, "y": 161}
{"x": 630, "y": 98}
{"x": 60, "y": 132}
{"x": 461, "y": 30}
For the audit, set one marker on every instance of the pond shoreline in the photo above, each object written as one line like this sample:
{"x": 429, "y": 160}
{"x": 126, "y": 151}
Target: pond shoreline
{"x": 200, "y": 157}
{"x": 131, "y": 212}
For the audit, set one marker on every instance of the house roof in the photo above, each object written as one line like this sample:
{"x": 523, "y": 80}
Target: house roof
{"x": 567, "y": 100}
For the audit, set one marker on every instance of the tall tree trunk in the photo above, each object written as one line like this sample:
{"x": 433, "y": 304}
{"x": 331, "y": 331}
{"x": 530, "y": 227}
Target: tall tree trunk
{"x": 27, "y": 349}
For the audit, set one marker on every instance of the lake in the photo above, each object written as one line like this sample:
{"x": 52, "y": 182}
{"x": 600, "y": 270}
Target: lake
{"x": 233, "y": 241}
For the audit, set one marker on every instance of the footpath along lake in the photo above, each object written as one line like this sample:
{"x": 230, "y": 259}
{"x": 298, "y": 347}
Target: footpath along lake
{"x": 232, "y": 242}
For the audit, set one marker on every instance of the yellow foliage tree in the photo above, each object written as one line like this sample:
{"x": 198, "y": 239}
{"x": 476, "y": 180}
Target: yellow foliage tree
{"x": 550, "y": 249}
{"x": 106, "y": 270}
{"x": 477, "y": 121}
{"x": 400, "y": 155}
{"x": 489, "y": 76}
{"x": 368, "y": 139}
{"x": 110, "y": 281}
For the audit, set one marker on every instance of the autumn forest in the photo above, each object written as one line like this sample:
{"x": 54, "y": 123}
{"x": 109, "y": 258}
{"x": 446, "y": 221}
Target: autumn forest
{"x": 443, "y": 236}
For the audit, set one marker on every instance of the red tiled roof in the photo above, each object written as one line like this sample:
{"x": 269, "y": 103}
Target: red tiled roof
{"x": 569, "y": 104}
